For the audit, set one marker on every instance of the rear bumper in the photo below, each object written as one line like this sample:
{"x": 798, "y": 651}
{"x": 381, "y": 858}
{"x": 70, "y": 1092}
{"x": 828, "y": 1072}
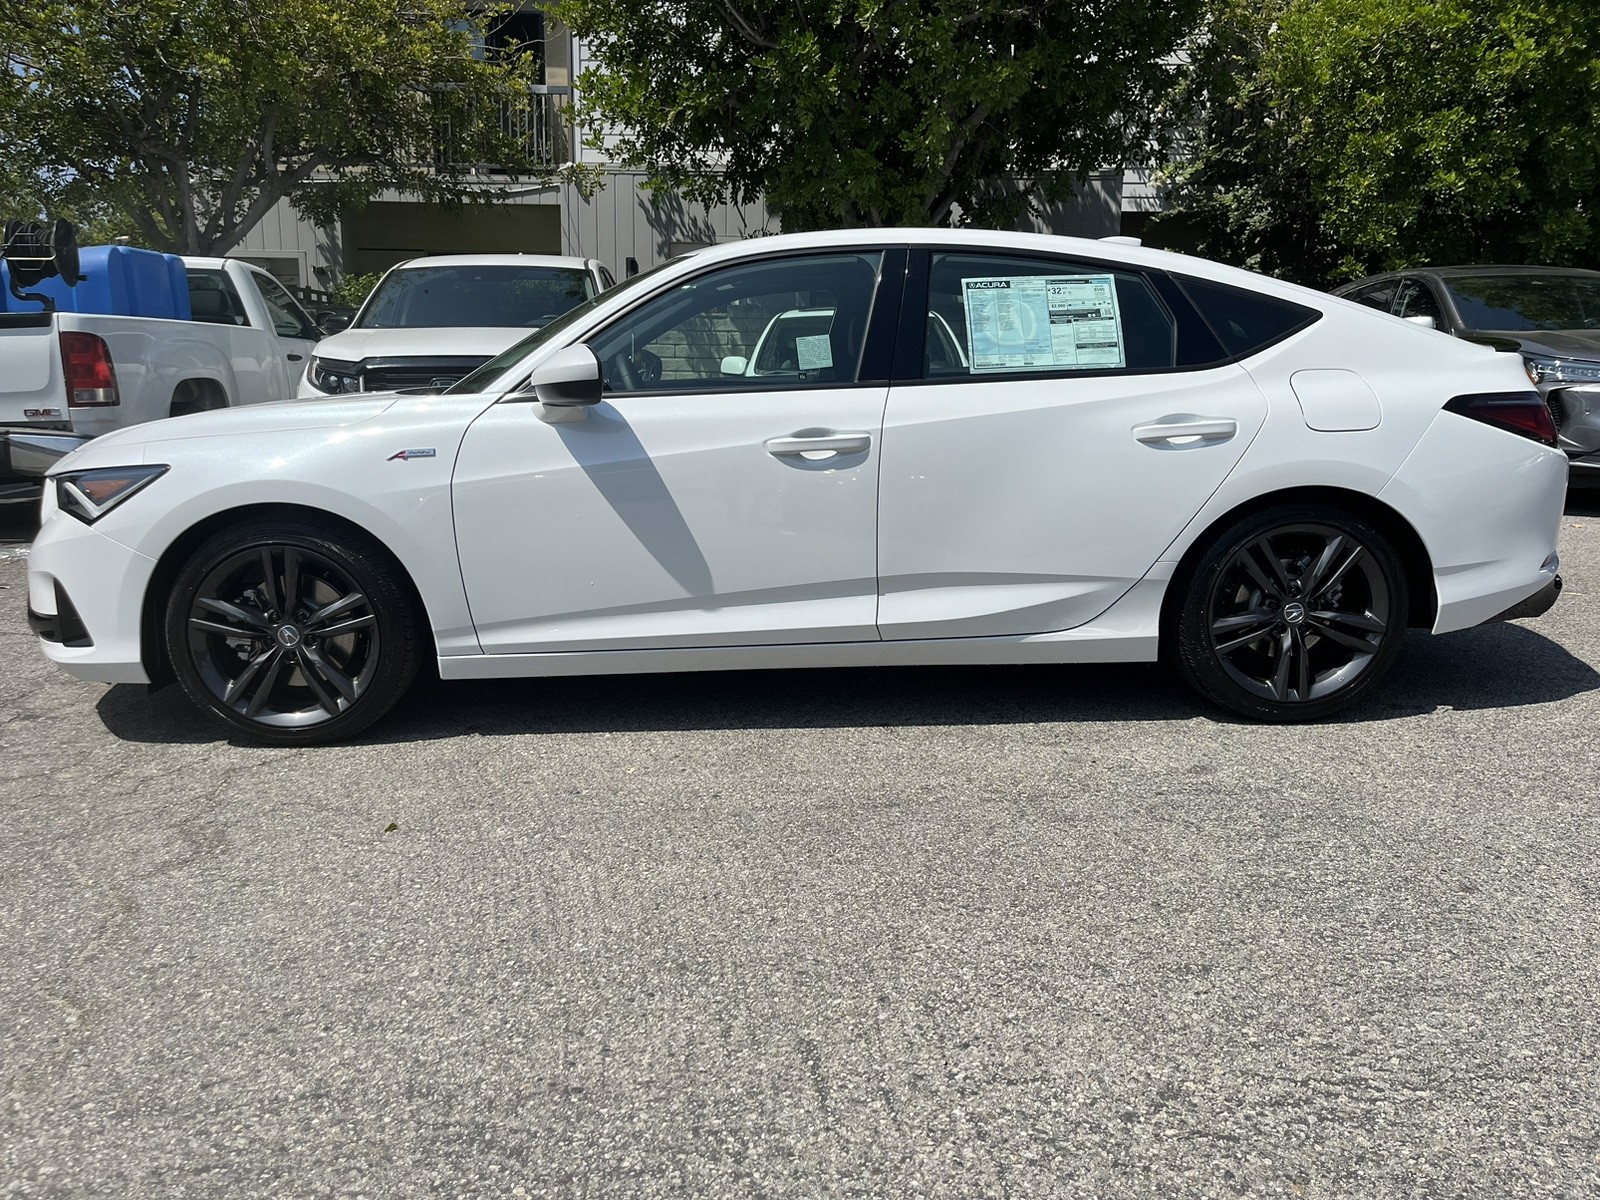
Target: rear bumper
{"x": 1487, "y": 505}
{"x": 30, "y": 453}
{"x": 1535, "y": 605}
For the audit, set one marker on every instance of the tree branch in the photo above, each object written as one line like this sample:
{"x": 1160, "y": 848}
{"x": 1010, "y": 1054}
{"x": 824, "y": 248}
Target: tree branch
{"x": 747, "y": 30}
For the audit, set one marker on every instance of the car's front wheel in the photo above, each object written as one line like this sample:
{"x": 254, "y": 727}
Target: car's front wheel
{"x": 1292, "y": 614}
{"x": 292, "y": 633}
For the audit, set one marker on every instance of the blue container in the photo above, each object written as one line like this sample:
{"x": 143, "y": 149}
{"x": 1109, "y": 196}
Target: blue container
{"x": 117, "y": 281}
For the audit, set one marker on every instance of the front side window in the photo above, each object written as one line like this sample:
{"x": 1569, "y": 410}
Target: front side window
{"x": 487, "y": 297}
{"x": 1416, "y": 299}
{"x": 288, "y": 318}
{"x": 992, "y": 315}
{"x": 788, "y": 322}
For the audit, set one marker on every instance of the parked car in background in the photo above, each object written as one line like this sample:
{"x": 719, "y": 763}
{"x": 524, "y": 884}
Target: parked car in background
{"x": 432, "y": 320}
{"x": 1144, "y": 455}
{"x": 1549, "y": 315}
{"x": 144, "y": 336}
{"x": 790, "y": 346}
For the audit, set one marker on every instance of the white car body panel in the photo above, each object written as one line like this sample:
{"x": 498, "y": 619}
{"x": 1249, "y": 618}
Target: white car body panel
{"x": 672, "y": 521}
{"x": 1016, "y": 507}
{"x": 685, "y": 545}
{"x": 356, "y": 344}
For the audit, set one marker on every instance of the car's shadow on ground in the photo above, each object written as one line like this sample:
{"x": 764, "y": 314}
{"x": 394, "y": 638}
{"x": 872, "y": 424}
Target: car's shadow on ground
{"x": 1495, "y": 666}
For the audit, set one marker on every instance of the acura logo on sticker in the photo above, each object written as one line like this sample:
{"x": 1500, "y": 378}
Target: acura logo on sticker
{"x": 408, "y": 455}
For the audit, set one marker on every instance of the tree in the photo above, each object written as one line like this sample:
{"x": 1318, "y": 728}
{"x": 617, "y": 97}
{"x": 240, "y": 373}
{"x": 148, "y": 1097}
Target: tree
{"x": 876, "y": 112}
{"x": 187, "y": 120}
{"x": 1344, "y": 137}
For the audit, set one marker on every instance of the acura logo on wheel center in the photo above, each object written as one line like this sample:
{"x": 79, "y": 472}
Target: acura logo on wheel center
{"x": 1294, "y": 612}
{"x": 288, "y": 637}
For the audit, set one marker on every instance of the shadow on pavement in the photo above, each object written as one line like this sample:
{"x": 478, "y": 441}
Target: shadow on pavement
{"x": 1496, "y": 666}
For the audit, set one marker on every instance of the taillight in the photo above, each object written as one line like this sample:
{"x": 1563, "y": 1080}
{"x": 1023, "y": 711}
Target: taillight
{"x": 91, "y": 380}
{"x": 1515, "y": 412}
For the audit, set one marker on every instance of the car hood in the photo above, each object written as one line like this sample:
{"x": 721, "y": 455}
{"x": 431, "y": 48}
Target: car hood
{"x": 358, "y": 345}
{"x": 1553, "y": 343}
{"x": 122, "y": 446}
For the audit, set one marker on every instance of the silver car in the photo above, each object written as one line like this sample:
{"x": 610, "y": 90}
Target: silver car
{"x": 1549, "y": 315}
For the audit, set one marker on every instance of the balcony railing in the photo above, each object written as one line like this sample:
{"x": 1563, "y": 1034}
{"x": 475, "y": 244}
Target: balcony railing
{"x": 535, "y": 123}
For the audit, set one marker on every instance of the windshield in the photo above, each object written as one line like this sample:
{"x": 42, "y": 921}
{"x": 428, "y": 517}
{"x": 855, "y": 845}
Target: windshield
{"x": 501, "y": 296}
{"x": 1522, "y": 302}
{"x": 485, "y": 376}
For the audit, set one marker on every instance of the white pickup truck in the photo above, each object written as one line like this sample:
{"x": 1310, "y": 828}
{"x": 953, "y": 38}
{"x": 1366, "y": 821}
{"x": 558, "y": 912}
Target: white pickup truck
{"x": 68, "y": 376}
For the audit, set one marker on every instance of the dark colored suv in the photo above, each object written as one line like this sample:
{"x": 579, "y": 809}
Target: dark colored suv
{"x": 1549, "y": 315}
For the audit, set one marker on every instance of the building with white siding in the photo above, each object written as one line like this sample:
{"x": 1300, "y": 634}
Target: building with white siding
{"x": 623, "y": 224}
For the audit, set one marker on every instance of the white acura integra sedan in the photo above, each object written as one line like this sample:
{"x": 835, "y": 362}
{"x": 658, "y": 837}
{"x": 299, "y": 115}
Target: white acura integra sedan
{"x": 1135, "y": 455}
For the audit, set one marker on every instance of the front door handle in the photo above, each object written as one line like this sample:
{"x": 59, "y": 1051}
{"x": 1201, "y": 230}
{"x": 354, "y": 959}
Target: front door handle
{"x": 294, "y": 358}
{"x": 1182, "y": 429}
{"x": 819, "y": 443}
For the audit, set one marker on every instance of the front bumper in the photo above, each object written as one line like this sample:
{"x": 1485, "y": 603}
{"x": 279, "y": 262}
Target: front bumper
{"x": 1576, "y": 409}
{"x": 86, "y": 600}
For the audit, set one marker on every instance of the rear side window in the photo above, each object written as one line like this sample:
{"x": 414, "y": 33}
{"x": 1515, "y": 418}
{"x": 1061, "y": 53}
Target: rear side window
{"x": 1246, "y": 322}
{"x": 1378, "y": 295}
{"x": 213, "y": 298}
{"x": 990, "y": 315}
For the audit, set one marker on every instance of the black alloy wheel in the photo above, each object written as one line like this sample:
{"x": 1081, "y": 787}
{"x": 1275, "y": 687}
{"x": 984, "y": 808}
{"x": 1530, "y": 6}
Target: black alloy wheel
{"x": 293, "y": 634}
{"x": 1293, "y": 614}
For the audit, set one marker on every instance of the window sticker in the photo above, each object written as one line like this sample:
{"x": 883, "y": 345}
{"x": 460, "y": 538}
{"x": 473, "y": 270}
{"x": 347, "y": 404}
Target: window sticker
{"x": 1043, "y": 322}
{"x": 814, "y": 352}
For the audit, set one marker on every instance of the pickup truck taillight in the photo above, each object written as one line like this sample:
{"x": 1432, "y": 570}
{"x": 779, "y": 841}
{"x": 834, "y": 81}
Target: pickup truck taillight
{"x": 91, "y": 379}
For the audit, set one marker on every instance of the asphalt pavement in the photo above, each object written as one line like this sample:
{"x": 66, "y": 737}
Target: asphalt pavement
{"x": 889, "y": 933}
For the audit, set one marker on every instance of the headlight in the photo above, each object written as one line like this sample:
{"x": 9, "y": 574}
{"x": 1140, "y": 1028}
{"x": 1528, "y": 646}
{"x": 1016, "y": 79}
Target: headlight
{"x": 90, "y": 495}
{"x": 332, "y": 375}
{"x": 1558, "y": 370}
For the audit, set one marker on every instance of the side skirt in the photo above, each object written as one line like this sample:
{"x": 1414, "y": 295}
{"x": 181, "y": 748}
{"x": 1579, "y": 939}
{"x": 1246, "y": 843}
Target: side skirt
{"x": 1126, "y": 632}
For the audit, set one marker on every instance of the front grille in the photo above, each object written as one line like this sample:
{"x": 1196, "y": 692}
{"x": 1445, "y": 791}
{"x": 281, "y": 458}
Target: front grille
{"x": 385, "y": 375}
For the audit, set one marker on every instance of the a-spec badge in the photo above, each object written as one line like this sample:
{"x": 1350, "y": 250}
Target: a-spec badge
{"x": 34, "y": 413}
{"x": 408, "y": 455}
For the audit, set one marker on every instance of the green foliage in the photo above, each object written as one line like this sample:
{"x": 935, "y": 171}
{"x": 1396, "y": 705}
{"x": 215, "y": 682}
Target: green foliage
{"x": 187, "y": 120}
{"x": 352, "y": 290}
{"x": 876, "y": 112}
{"x": 1344, "y": 137}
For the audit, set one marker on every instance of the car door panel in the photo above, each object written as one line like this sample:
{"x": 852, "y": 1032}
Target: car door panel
{"x": 1015, "y": 507}
{"x": 672, "y": 521}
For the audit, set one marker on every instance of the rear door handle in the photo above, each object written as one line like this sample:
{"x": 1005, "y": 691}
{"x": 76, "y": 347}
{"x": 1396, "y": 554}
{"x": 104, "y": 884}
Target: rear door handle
{"x": 1183, "y": 430}
{"x": 819, "y": 443}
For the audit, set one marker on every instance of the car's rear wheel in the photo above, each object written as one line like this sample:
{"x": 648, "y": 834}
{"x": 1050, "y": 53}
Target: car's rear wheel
{"x": 292, "y": 633}
{"x": 1292, "y": 614}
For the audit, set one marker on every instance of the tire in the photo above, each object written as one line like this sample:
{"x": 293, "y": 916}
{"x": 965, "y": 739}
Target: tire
{"x": 347, "y": 652}
{"x": 1292, "y": 614}
{"x": 192, "y": 397}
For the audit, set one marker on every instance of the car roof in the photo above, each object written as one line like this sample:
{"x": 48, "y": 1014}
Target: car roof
{"x": 495, "y": 260}
{"x": 1457, "y": 271}
{"x": 1114, "y": 253}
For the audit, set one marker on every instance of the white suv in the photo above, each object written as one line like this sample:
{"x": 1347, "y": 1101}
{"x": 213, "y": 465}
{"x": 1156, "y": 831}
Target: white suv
{"x": 432, "y": 320}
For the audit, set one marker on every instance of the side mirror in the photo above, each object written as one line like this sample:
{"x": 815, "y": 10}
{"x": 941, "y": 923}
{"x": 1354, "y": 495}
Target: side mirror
{"x": 568, "y": 379}
{"x": 734, "y": 365}
{"x": 332, "y": 322}
{"x": 1425, "y": 322}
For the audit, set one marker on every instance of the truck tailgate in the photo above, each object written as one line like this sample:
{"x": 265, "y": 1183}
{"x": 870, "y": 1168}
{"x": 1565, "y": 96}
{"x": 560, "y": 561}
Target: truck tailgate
{"x": 32, "y": 391}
